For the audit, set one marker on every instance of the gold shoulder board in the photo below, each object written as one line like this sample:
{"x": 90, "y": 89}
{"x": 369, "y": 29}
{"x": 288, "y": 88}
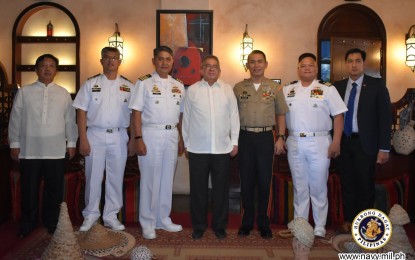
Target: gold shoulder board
{"x": 145, "y": 77}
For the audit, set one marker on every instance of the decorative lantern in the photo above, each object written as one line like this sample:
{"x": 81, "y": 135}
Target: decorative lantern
{"x": 410, "y": 48}
{"x": 117, "y": 41}
{"x": 247, "y": 45}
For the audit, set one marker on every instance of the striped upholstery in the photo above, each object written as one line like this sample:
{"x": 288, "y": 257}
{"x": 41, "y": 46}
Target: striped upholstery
{"x": 131, "y": 198}
{"x": 392, "y": 191}
{"x": 283, "y": 204}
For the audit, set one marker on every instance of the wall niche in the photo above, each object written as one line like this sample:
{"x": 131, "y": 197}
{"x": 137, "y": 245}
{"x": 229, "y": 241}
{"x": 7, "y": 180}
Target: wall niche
{"x": 30, "y": 40}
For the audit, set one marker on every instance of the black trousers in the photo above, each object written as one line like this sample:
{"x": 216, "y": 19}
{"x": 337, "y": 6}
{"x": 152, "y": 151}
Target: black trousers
{"x": 357, "y": 176}
{"x": 31, "y": 173}
{"x": 200, "y": 166}
{"x": 255, "y": 160}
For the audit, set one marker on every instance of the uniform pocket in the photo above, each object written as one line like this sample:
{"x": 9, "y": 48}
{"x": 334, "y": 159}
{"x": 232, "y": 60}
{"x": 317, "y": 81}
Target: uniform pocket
{"x": 291, "y": 103}
{"x": 292, "y": 146}
{"x": 123, "y": 98}
{"x": 97, "y": 99}
{"x": 176, "y": 98}
{"x": 318, "y": 104}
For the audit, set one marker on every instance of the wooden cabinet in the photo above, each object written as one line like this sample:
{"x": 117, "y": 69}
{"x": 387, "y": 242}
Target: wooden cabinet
{"x": 30, "y": 41}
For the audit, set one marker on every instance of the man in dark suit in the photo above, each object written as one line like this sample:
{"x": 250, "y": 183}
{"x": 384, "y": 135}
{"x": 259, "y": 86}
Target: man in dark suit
{"x": 366, "y": 135}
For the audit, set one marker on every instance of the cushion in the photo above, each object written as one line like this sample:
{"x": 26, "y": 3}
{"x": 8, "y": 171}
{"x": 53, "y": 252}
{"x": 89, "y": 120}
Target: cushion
{"x": 392, "y": 191}
{"x": 131, "y": 198}
{"x": 283, "y": 205}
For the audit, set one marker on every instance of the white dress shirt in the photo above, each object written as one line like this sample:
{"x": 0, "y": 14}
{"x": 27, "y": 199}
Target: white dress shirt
{"x": 210, "y": 118}
{"x": 42, "y": 122}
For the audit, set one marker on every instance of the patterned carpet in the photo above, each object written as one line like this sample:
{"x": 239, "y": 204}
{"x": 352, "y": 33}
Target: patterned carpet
{"x": 174, "y": 246}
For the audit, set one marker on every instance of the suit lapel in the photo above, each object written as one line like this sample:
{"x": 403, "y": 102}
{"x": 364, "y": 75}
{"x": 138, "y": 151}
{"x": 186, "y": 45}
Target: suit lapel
{"x": 363, "y": 92}
{"x": 342, "y": 88}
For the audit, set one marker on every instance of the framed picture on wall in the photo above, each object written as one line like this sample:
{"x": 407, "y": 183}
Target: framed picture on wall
{"x": 189, "y": 34}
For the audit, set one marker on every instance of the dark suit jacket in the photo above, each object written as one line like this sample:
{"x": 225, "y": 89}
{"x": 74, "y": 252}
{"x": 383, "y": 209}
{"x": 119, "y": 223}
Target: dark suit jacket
{"x": 374, "y": 113}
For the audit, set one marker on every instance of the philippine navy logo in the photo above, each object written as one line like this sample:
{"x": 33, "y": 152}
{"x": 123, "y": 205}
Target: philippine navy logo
{"x": 371, "y": 229}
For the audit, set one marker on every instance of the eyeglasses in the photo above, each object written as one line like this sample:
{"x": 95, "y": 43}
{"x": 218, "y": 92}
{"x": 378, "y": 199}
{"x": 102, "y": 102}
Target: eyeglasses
{"x": 213, "y": 67}
{"x": 110, "y": 58}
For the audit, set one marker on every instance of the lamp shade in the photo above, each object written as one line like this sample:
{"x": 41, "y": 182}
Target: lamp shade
{"x": 410, "y": 48}
{"x": 117, "y": 41}
{"x": 247, "y": 45}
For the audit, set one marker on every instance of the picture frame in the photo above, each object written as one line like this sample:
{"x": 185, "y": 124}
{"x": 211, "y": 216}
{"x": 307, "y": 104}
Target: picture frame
{"x": 189, "y": 33}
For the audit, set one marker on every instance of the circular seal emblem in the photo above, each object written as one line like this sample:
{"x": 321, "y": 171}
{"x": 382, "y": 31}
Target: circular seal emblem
{"x": 371, "y": 229}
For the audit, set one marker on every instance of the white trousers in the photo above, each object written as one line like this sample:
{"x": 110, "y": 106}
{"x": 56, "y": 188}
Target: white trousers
{"x": 109, "y": 153}
{"x": 157, "y": 169}
{"x": 307, "y": 157}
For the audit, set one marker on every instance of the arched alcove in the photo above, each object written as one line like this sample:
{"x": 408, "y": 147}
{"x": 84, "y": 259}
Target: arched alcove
{"x": 7, "y": 94}
{"x": 30, "y": 41}
{"x": 347, "y": 26}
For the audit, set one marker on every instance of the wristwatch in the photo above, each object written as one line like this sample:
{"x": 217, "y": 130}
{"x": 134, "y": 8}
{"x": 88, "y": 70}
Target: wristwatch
{"x": 138, "y": 137}
{"x": 281, "y": 136}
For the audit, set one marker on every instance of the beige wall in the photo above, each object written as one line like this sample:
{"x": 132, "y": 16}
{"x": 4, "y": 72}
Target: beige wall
{"x": 283, "y": 29}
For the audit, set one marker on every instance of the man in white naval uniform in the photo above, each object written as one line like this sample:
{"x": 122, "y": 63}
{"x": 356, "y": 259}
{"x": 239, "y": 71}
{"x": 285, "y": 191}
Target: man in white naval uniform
{"x": 103, "y": 117}
{"x": 157, "y": 115}
{"x": 310, "y": 145}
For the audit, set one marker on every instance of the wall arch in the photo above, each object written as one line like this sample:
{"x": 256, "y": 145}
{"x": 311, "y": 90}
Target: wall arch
{"x": 19, "y": 40}
{"x": 353, "y": 21}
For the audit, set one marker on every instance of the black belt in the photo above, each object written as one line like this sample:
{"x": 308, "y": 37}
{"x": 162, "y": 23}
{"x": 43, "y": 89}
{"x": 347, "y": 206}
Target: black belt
{"x": 351, "y": 136}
